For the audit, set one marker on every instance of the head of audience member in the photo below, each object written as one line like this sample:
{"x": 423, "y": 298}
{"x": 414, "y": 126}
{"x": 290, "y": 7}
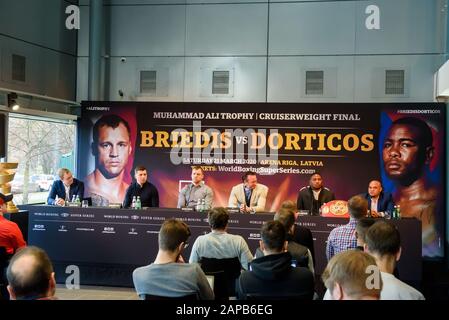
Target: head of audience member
{"x": 274, "y": 238}
{"x": 66, "y": 176}
{"x": 173, "y": 237}
{"x": 4, "y": 199}
{"x": 316, "y": 181}
{"x": 197, "y": 175}
{"x": 358, "y": 207}
{"x": 289, "y": 204}
{"x": 383, "y": 242}
{"x": 218, "y": 219}
{"x": 140, "y": 174}
{"x": 30, "y": 275}
{"x": 250, "y": 179}
{"x": 360, "y": 230}
{"x": 347, "y": 274}
{"x": 408, "y": 148}
{"x": 374, "y": 188}
{"x": 287, "y": 218}
{"x": 111, "y": 145}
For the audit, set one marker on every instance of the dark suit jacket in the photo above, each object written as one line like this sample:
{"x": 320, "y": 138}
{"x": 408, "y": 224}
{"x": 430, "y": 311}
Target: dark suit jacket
{"x": 77, "y": 189}
{"x": 384, "y": 204}
{"x": 305, "y": 199}
{"x": 303, "y": 236}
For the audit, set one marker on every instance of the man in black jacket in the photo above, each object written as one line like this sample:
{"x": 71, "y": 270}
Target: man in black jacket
{"x": 272, "y": 276}
{"x": 301, "y": 235}
{"x": 301, "y": 254}
{"x": 313, "y": 196}
{"x": 147, "y": 192}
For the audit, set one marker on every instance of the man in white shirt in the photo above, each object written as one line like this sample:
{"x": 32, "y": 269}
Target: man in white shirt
{"x": 347, "y": 274}
{"x": 383, "y": 242}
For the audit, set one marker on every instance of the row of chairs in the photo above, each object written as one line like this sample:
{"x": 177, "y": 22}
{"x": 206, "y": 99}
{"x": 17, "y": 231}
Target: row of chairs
{"x": 225, "y": 273}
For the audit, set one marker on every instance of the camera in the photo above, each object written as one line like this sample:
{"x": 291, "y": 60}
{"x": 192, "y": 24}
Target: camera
{"x": 123, "y": 59}
{"x": 120, "y": 93}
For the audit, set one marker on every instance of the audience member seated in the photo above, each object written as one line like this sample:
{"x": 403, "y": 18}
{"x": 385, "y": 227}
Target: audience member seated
{"x": 343, "y": 238}
{"x": 360, "y": 231}
{"x": 383, "y": 242}
{"x": 273, "y": 275}
{"x": 30, "y": 275}
{"x": 301, "y": 235}
{"x": 218, "y": 243}
{"x": 11, "y": 237}
{"x": 169, "y": 276}
{"x": 299, "y": 253}
{"x": 346, "y": 276}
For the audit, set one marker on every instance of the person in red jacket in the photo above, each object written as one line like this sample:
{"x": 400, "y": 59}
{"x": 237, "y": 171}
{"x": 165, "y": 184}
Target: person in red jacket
{"x": 11, "y": 237}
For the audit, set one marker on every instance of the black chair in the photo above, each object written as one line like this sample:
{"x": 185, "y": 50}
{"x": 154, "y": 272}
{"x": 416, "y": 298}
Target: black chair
{"x": 4, "y": 260}
{"x": 280, "y": 296}
{"x": 89, "y": 201}
{"x": 225, "y": 273}
{"x": 189, "y": 297}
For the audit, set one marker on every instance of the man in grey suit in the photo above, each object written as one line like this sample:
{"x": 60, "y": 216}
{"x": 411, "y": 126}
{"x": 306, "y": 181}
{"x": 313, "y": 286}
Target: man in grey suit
{"x": 249, "y": 196}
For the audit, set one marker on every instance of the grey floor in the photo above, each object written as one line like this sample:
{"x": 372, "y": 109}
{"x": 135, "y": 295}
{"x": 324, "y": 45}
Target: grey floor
{"x": 96, "y": 293}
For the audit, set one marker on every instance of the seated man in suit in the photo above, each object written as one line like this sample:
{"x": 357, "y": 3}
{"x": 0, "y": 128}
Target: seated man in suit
{"x": 273, "y": 275}
{"x": 313, "y": 196}
{"x": 141, "y": 188}
{"x": 380, "y": 203}
{"x": 65, "y": 189}
{"x": 249, "y": 196}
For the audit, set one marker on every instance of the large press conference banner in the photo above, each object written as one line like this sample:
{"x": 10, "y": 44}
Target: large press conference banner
{"x": 348, "y": 144}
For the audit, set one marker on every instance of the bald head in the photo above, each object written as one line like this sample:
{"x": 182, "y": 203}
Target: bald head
{"x": 374, "y": 188}
{"x": 30, "y": 274}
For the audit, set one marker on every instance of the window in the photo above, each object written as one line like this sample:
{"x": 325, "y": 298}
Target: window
{"x": 315, "y": 82}
{"x": 41, "y": 146}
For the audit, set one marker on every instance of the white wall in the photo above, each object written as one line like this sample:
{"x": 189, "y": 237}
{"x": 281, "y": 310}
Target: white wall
{"x": 267, "y": 46}
{"x": 36, "y": 30}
